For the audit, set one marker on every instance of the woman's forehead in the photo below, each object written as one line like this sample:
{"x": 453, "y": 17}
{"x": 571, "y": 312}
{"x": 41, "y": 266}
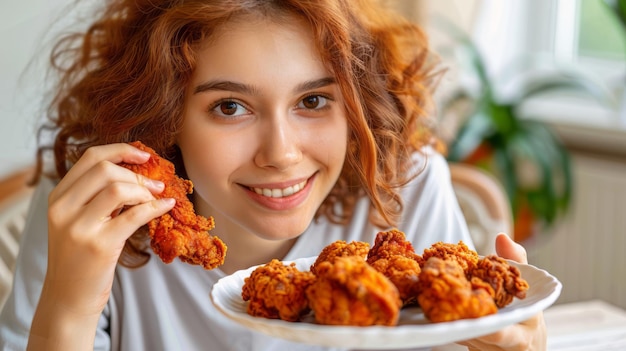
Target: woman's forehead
{"x": 255, "y": 20}
{"x": 261, "y": 53}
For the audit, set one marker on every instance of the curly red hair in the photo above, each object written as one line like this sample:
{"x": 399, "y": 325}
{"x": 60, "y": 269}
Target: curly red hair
{"x": 124, "y": 79}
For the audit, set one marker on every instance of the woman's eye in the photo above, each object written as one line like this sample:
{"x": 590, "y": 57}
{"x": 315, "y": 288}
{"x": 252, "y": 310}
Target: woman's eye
{"x": 229, "y": 108}
{"x": 313, "y": 102}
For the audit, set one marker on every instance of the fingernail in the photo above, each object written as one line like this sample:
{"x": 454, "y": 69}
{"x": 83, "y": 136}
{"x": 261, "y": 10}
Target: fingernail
{"x": 155, "y": 185}
{"x": 168, "y": 201}
{"x": 143, "y": 154}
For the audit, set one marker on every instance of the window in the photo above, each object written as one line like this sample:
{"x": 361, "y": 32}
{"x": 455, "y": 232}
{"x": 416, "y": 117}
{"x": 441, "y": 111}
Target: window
{"x": 598, "y": 33}
{"x": 525, "y": 36}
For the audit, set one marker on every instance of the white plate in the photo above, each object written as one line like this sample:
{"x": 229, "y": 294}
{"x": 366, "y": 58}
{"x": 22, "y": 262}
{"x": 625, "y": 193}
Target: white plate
{"x": 413, "y": 330}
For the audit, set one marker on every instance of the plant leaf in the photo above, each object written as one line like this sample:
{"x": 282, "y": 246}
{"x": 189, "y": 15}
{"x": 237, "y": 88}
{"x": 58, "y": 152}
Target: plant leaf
{"x": 503, "y": 117}
{"x": 619, "y": 9}
{"x": 470, "y": 136}
{"x": 568, "y": 81}
{"x": 561, "y": 163}
{"x": 526, "y": 151}
{"x": 467, "y": 47}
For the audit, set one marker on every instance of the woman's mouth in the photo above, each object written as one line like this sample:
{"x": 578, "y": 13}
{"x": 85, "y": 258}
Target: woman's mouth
{"x": 282, "y": 197}
{"x": 276, "y": 193}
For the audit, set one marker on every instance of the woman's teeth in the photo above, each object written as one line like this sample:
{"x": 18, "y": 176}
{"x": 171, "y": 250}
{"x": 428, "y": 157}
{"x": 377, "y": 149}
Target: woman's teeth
{"x": 280, "y": 192}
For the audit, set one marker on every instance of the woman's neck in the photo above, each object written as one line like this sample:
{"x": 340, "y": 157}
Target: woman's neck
{"x": 246, "y": 249}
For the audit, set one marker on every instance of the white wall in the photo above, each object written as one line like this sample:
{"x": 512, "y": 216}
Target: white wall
{"x": 586, "y": 250}
{"x": 22, "y": 25}
{"x": 27, "y": 29}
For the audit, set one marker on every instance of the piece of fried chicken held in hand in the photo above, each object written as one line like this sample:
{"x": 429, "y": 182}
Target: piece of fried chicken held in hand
{"x": 447, "y": 295}
{"x": 180, "y": 232}
{"x": 277, "y": 291}
{"x": 349, "y": 291}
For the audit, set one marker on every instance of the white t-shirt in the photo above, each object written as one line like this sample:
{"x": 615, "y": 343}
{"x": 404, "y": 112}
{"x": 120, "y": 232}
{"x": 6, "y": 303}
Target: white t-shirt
{"x": 167, "y": 306}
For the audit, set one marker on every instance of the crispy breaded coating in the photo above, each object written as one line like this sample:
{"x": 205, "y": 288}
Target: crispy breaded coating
{"x": 505, "y": 279}
{"x": 390, "y": 243}
{"x": 180, "y": 232}
{"x": 395, "y": 257}
{"x": 447, "y": 295}
{"x": 348, "y": 291}
{"x": 460, "y": 253}
{"x": 340, "y": 248}
{"x": 277, "y": 291}
{"x": 403, "y": 273}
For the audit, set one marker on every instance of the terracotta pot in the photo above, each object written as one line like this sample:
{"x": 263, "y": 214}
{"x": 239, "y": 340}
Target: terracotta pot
{"x": 524, "y": 225}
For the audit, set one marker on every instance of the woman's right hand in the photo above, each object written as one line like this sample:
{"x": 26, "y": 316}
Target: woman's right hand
{"x": 86, "y": 235}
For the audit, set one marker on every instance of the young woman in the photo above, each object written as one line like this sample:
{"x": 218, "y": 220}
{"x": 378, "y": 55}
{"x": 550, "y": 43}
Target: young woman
{"x": 299, "y": 122}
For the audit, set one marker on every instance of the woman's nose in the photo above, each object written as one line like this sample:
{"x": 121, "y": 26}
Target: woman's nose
{"x": 280, "y": 145}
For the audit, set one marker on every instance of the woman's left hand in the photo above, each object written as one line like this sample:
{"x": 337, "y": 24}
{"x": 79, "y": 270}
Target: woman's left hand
{"x": 527, "y": 335}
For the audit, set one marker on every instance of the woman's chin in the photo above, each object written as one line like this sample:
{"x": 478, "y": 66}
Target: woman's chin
{"x": 280, "y": 234}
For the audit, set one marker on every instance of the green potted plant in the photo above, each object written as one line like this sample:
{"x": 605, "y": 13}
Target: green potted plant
{"x": 524, "y": 154}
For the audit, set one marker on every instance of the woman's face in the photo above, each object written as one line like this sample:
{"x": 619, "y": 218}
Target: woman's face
{"x": 265, "y": 133}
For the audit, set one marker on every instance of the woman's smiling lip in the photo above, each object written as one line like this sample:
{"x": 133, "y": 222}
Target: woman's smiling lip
{"x": 280, "y": 196}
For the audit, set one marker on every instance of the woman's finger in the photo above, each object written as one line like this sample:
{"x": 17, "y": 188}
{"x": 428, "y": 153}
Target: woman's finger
{"x": 108, "y": 178}
{"x": 131, "y": 219}
{"x": 114, "y": 153}
{"x": 509, "y": 249}
{"x": 114, "y": 197}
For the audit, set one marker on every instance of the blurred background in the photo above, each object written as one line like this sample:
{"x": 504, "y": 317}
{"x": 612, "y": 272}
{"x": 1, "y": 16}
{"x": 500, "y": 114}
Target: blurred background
{"x": 533, "y": 93}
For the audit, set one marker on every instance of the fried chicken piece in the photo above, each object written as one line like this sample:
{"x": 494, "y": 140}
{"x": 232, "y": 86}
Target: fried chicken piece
{"x": 403, "y": 273}
{"x": 504, "y": 279}
{"x": 447, "y": 295}
{"x": 460, "y": 253}
{"x": 341, "y": 248}
{"x": 277, "y": 291}
{"x": 348, "y": 291}
{"x": 395, "y": 257}
{"x": 390, "y": 243}
{"x": 180, "y": 232}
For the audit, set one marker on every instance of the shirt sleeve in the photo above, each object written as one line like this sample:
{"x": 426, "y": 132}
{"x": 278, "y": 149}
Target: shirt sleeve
{"x": 30, "y": 271}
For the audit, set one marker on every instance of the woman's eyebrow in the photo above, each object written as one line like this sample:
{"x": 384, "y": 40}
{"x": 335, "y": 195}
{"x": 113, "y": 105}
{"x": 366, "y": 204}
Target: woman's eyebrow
{"x": 315, "y": 84}
{"x": 226, "y": 85}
